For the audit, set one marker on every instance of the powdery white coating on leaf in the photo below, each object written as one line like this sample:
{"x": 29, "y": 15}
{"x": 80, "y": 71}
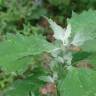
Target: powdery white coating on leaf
{"x": 68, "y": 32}
{"x": 46, "y": 79}
{"x": 38, "y": 2}
{"x": 49, "y": 79}
{"x": 68, "y": 58}
{"x": 80, "y": 38}
{"x": 55, "y": 52}
{"x": 60, "y": 59}
{"x": 60, "y": 33}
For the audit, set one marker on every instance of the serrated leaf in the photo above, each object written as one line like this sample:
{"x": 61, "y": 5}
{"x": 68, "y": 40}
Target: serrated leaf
{"x": 84, "y": 24}
{"x": 17, "y": 47}
{"x": 78, "y": 82}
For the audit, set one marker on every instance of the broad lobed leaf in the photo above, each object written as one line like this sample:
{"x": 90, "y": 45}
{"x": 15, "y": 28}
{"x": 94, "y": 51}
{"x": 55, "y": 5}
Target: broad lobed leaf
{"x": 78, "y": 82}
{"x": 17, "y": 47}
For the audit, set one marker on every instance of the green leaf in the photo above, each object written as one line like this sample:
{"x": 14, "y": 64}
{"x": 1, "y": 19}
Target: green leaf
{"x": 59, "y": 2}
{"x": 78, "y": 82}
{"x": 80, "y": 56}
{"x": 23, "y": 87}
{"x": 1, "y": 2}
{"x": 18, "y": 47}
{"x": 84, "y": 24}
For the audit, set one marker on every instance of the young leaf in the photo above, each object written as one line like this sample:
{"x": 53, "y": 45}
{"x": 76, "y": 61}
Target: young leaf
{"x": 60, "y": 33}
